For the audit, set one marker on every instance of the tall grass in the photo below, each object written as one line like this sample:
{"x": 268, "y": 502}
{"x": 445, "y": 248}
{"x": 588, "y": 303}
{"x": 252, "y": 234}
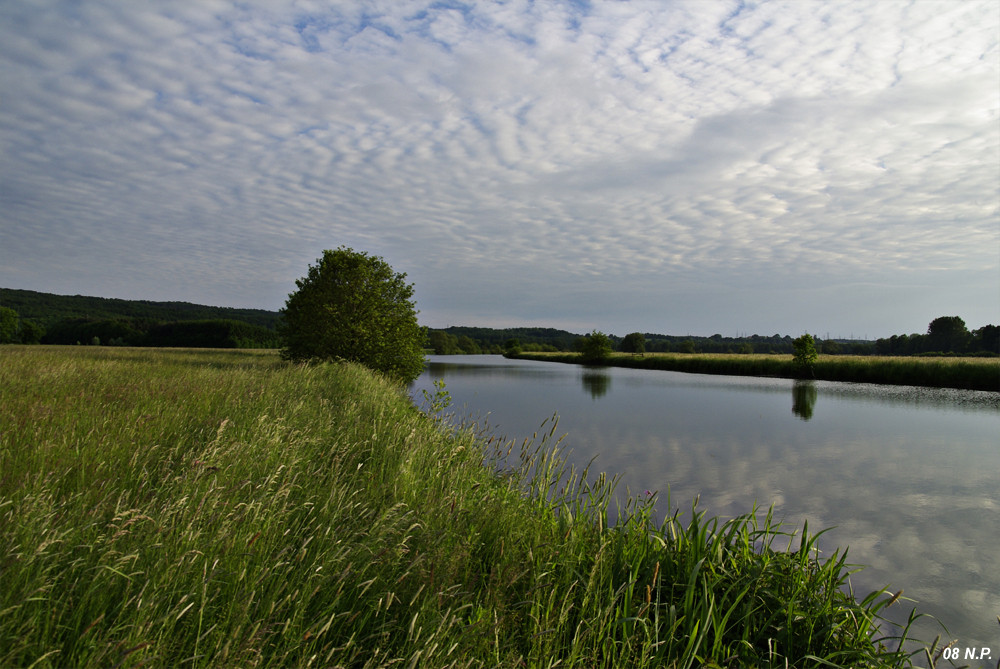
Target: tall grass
{"x": 955, "y": 372}
{"x": 225, "y": 509}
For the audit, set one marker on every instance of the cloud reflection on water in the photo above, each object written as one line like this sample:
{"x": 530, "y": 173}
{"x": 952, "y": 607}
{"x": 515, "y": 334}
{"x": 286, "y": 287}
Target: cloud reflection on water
{"x": 905, "y": 477}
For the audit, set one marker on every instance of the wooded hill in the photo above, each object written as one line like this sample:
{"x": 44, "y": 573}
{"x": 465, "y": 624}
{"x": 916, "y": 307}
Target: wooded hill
{"x": 46, "y": 308}
{"x": 71, "y": 319}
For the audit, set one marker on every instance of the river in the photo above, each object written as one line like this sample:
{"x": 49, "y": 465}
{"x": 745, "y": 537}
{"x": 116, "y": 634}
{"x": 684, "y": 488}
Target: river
{"x": 907, "y": 478}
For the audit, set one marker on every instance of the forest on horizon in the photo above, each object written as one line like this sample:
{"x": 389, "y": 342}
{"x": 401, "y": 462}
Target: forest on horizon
{"x": 28, "y": 316}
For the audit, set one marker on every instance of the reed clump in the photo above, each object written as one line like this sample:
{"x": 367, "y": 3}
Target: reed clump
{"x": 227, "y": 509}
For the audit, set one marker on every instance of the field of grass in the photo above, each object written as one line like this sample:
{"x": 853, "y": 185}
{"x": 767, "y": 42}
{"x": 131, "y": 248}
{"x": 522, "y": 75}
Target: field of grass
{"x": 939, "y": 372}
{"x": 195, "y": 508}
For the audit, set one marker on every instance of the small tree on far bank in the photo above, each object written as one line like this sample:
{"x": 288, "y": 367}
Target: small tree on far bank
{"x": 805, "y": 355}
{"x": 353, "y": 306}
{"x": 596, "y": 348}
{"x": 512, "y": 347}
{"x": 634, "y": 342}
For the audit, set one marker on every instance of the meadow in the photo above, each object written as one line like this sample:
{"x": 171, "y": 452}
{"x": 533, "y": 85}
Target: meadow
{"x": 206, "y": 508}
{"x": 939, "y": 372}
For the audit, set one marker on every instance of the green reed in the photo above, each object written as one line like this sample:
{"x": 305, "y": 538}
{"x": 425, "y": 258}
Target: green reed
{"x": 226, "y": 509}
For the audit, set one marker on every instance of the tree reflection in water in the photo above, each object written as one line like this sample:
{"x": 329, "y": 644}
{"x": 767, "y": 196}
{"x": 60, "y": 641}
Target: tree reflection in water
{"x": 597, "y": 382}
{"x": 804, "y": 399}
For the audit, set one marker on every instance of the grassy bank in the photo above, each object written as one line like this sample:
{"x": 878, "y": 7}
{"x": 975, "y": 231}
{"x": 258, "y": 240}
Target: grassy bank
{"x": 967, "y": 373}
{"x": 180, "y": 508}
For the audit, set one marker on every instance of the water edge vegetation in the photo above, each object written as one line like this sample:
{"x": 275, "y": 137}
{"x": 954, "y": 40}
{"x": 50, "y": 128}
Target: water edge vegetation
{"x": 939, "y": 372}
{"x": 212, "y": 508}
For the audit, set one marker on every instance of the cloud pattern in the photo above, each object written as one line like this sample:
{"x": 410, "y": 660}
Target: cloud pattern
{"x": 700, "y": 166}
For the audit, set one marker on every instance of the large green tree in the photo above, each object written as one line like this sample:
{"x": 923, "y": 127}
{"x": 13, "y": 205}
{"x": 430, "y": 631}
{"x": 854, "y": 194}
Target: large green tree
{"x": 353, "y": 306}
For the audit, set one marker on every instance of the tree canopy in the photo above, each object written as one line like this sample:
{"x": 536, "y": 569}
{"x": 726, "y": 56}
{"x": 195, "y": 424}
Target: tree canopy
{"x": 805, "y": 355}
{"x": 946, "y": 335}
{"x": 17, "y": 330}
{"x": 353, "y": 306}
{"x": 596, "y": 347}
{"x": 8, "y": 325}
{"x": 634, "y": 342}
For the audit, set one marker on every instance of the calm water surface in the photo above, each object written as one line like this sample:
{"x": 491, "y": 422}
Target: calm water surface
{"x": 906, "y": 477}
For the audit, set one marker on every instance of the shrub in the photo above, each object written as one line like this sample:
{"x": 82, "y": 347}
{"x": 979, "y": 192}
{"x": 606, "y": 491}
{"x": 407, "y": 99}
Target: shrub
{"x": 596, "y": 348}
{"x": 805, "y": 355}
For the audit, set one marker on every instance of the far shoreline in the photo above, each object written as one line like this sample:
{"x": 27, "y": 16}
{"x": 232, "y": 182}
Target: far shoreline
{"x": 935, "y": 372}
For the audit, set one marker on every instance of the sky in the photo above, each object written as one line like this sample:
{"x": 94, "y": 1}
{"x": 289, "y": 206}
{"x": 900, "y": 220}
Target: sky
{"x": 676, "y": 167}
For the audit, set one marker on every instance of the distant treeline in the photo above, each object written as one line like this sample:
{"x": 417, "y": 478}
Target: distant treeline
{"x": 772, "y": 344}
{"x": 946, "y": 335}
{"x": 213, "y": 333}
{"x": 45, "y": 308}
{"x": 31, "y": 317}
{"x": 468, "y": 340}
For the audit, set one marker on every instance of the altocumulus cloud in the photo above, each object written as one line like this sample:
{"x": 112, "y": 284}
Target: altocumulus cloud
{"x": 658, "y": 166}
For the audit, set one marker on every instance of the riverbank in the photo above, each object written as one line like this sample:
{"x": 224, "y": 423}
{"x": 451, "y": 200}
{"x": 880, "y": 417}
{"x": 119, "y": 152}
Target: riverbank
{"x": 956, "y": 372}
{"x": 225, "y": 508}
